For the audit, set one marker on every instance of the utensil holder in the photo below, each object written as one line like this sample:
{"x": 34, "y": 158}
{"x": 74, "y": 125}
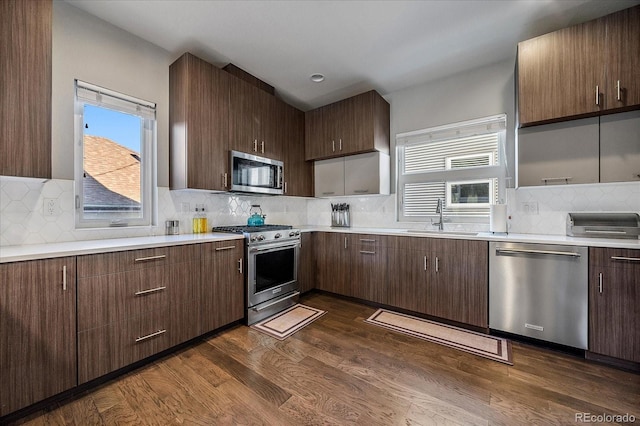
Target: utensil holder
{"x": 341, "y": 219}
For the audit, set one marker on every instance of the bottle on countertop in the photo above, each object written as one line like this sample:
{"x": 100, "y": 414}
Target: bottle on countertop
{"x": 200, "y": 220}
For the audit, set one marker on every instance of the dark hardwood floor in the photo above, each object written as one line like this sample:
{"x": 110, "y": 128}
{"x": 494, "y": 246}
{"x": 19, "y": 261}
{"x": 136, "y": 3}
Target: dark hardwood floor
{"x": 341, "y": 370}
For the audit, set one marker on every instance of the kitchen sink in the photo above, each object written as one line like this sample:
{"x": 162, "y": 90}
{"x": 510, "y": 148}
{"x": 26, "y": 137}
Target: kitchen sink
{"x": 436, "y": 232}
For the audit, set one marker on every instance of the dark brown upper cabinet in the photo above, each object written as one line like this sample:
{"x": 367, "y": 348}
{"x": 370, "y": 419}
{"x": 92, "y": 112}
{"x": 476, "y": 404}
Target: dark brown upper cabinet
{"x": 253, "y": 120}
{"x": 198, "y": 125}
{"x": 25, "y": 101}
{"x": 351, "y": 126}
{"x": 580, "y": 71}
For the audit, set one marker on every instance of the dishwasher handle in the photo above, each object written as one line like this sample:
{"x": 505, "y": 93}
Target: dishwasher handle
{"x": 500, "y": 250}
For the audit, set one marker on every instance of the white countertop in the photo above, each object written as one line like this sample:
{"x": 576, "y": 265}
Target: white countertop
{"x": 488, "y": 236}
{"x": 73, "y": 248}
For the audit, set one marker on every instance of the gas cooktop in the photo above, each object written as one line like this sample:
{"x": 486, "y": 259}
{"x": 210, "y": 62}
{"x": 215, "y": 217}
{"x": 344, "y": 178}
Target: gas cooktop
{"x": 246, "y": 229}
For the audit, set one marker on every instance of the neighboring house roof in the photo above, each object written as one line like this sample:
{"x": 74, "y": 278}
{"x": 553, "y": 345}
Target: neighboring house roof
{"x": 112, "y": 174}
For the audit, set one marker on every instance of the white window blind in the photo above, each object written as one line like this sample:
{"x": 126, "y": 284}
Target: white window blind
{"x": 459, "y": 163}
{"x": 100, "y": 96}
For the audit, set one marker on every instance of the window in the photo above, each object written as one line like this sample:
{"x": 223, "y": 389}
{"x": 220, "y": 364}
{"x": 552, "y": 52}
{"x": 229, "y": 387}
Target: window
{"x": 114, "y": 158}
{"x": 461, "y": 164}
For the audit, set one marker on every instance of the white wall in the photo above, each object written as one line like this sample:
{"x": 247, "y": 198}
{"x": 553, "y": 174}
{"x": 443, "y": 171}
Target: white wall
{"x": 89, "y": 49}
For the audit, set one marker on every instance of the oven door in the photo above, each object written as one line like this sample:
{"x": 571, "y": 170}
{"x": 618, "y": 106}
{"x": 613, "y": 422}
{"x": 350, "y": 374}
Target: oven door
{"x": 272, "y": 271}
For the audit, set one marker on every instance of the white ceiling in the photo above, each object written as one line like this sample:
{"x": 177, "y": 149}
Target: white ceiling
{"x": 357, "y": 45}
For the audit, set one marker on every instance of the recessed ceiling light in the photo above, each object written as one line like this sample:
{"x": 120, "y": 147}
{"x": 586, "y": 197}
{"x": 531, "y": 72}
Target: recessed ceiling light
{"x": 317, "y": 78}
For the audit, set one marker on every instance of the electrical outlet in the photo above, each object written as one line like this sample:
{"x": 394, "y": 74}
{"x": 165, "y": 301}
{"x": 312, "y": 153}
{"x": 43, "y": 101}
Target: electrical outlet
{"x": 51, "y": 207}
{"x": 530, "y": 207}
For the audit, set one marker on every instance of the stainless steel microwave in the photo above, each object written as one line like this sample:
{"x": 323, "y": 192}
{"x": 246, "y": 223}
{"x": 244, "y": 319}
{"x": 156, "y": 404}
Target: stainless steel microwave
{"x": 253, "y": 174}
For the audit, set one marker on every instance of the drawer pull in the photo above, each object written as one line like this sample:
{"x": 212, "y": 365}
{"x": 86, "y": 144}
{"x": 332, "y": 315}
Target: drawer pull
{"x": 64, "y": 278}
{"x": 151, "y": 290}
{"x": 146, "y": 259}
{"x": 149, "y": 336}
{"x": 367, "y": 252}
{"x": 240, "y": 265}
{"x": 225, "y": 248}
{"x": 600, "y": 282}
{"x": 628, "y": 259}
{"x": 367, "y": 240}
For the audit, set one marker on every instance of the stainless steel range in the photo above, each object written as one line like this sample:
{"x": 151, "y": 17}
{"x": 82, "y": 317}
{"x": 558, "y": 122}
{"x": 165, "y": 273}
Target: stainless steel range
{"x": 272, "y": 253}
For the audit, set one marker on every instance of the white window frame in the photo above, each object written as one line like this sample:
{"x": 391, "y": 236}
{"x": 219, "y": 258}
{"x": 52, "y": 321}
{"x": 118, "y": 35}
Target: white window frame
{"x": 496, "y": 170}
{"x": 90, "y": 94}
{"x": 492, "y": 190}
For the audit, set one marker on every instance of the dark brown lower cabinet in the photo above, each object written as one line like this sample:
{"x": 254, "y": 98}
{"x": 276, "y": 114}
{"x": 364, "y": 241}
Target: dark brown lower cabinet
{"x": 307, "y": 263}
{"x": 614, "y": 303}
{"x": 408, "y": 270}
{"x": 368, "y": 279}
{"x": 333, "y": 260}
{"x": 459, "y": 281}
{"x": 37, "y": 331}
{"x": 222, "y": 297}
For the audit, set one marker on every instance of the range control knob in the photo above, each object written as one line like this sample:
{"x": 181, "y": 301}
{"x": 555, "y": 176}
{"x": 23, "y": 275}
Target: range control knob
{"x": 278, "y": 235}
{"x": 253, "y": 239}
{"x": 292, "y": 234}
{"x": 260, "y": 237}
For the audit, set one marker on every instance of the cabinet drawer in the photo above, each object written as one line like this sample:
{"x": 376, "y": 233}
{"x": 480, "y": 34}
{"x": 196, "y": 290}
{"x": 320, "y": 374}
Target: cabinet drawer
{"x": 106, "y": 349}
{"x": 221, "y": 246}
{"x": 106, "y": 299}
{"x": 615, "y": 258}
{"x": 370, "y": 241}
{"x": 110, "y": 263}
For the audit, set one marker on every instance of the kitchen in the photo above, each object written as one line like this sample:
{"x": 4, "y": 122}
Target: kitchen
{"x": 486, "y": 89}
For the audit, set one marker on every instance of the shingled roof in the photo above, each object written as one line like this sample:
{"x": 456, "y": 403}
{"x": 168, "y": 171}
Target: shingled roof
{"x": 112, "y": 175}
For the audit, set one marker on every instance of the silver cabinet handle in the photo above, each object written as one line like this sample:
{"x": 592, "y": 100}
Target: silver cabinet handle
{"x": 255, "y": 145}
{"x": 262, "y": 149}
{"x": 285, "y": 187}
{"x": 425, "y": 263}
{"x": 618, "y": 90}
{"x": 367, "y": 240}
{"x": 149, "y": 336}
{"x": 64, "y": 278}
{"x": 566, "y": 179}
{"x": 549, "y": 252}
{"x": 345, "y": 242}
{"x": 224, "y": 180}
{"x": 240, "y": 265}
{"x": 360, "y": 191}
{"x": 437, "y": 264}
{"x": 340, "y": 144}
{"x": 261, "y": 308}
{"x": 333, "y": 146}
{"x": 600, "y": 282}
{"x": 146, "y": 259}
{"x": 328, "y": 193}
{"x": 151, "y": 290}
{"x": 367, "y": 252}
{"x": 628, "y": 259}
{"x": 597, "y": 95}
{"x": 225, "y": 248}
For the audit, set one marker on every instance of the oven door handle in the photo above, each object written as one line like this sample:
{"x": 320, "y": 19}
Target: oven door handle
{"x": 261, "y": 308}
{"x": 274, "y": 248}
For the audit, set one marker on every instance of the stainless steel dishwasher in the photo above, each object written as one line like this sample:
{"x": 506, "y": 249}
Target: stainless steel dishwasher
{"x": 539, "y": 291}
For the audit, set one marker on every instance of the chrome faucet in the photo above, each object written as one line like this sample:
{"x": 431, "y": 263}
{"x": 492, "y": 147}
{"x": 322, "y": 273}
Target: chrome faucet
{"x": 439, "y": 210}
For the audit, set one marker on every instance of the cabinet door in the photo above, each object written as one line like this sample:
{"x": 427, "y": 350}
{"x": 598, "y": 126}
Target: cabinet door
{"x": 560, "y": 73}
{"x": 25, "y": 103}
{"x": 223, "y": 284}
{"x": 623, "y": 58}
{"x": 409, "y": 269}
{"x": 298, "y": 172}
{"x": 333, "y": 260}
{"x": 307, "y": 263}
{"x": 614, "y": 303}
{"x": 37, "y": 331}
{"x": 329, "y": 177}
{"x": 272, "y": 117}
{"x": 459, "y": 290}
{"x": 315, "y": 143}
{"x": 559, "y": 153}
{"x": 244, "y": 120}
{"x": 366, "y": 174}
{"x": 199, "y": 124}
{"x": 620, "y": 147}
{"x": 357, "y": 124}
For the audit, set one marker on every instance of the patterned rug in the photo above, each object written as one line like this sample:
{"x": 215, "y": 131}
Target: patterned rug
{"x": 484, "y": 345}
{"x": 287, "y": 322}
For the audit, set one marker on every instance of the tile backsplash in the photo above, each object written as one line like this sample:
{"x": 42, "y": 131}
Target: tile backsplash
{"x": 537, "y": 210}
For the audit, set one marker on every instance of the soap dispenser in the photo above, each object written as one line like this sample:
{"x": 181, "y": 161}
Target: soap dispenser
{"x": 200, "y": 220}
